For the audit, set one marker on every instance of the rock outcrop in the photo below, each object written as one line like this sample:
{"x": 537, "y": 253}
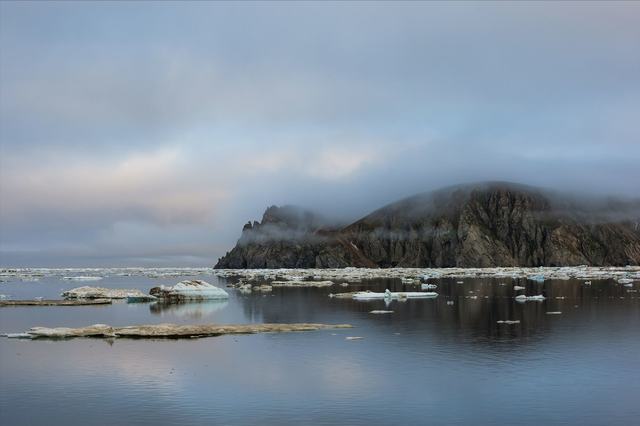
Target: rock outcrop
{"x": 484, "y": 225}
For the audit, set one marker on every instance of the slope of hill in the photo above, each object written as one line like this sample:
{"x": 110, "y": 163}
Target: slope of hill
{"x": 480, "y": 225}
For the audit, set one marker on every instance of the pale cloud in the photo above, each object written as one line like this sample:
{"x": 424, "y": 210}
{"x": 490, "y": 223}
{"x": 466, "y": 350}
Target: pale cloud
{"x": 169, "y": 120}
{"x": 156, "y": 186}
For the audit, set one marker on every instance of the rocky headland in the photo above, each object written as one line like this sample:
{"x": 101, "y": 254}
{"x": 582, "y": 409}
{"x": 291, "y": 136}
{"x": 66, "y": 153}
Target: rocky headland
{"x": 493, "y": 224}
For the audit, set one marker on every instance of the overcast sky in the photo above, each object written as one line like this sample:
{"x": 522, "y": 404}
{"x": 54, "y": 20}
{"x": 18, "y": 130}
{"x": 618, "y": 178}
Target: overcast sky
{"x": 147, "y": 134}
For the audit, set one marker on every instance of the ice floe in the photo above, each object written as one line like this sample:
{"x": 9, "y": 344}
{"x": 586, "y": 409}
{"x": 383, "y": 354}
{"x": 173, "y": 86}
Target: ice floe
{"x": 174, "y": 331}
{"x": 189, "y": 290}
{"x": 346, "y": 274}
{"x": 82, "y": 278}
{"x": 523, "y": 298}
{"x": 364, "y": 295}
{"x": 88, "y": 292}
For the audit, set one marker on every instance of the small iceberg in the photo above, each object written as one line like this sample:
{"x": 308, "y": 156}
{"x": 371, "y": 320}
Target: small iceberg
{"x": 625, "y": 281}
{"x": 523, "y": 298}
{"x": 82, "y": 278}
{"x": 536, "y": 278}
{"x": 139, "y": 298}
{"x": 189, "y": 290}
{"x": 428, "y": 286}
{"x": 518, "y": 287}
{"x": 19, "y": 336}
{"x": 365, "y": 295}
{"x": 88, "y": 292}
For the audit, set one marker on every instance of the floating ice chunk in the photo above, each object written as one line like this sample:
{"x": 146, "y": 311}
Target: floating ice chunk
{"x": 522, "y": 298}
{"x": 509, "y": 322}
{"x": 536, "y": 278}
{"x": 554, "y": 313}
{"x": 428, "y": 286}
{"x": 82, "y": 278}
{"x": 19, "y": 336}
{"x": 518, "y": 287}
{"x": 625, "y": 281}
{"x": 364, "y": 295}
{"x": 137, "y": 298}
{"x": 5, "y": 296}
{"x": 381, "y": 312}
{"x": 88, "y": 292}
{"x": 354, "y": 338}
{"x": 189, "y": 290}
{"x": 299, "y": 283}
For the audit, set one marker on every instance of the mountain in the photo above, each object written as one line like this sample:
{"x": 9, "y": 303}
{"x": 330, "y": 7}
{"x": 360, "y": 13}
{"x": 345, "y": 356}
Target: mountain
{"x": 480, "y": 225}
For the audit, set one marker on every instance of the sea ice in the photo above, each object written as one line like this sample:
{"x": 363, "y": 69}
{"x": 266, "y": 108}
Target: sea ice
{"x": 88, "y": 292}
{"x": 189, "y": 290}
{"x": 536, "y": 278}
{"x": 523, "y": 298}
{"x": 364, "y": 295}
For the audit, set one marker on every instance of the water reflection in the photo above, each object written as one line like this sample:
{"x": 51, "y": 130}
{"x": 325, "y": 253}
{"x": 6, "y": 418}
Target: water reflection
{"x": 446, "y": 359}
{"x": 188, "y": 309}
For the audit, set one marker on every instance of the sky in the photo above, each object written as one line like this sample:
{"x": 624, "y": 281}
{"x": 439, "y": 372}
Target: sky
{"x": 148, "y": 133}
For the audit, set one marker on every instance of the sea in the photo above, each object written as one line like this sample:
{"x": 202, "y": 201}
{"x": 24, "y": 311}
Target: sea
{"x": 473, "y": 355}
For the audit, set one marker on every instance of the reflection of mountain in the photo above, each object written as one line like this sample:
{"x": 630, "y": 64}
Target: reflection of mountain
{"x": 478, "y": 305}
{"x": 188, "y": 309}
{"x": 483, "y": 225}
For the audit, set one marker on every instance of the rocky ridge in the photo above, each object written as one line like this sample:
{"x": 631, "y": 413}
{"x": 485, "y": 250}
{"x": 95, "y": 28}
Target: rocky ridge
{"x": 473, "y": 226}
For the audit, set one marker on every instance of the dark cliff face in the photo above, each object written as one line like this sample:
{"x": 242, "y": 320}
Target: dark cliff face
{"x": 492, "y": 224}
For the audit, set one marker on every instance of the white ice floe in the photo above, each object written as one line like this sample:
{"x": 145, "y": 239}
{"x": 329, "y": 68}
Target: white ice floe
{"x": 138, "y": 297}
{"x": 428, "y": 286}
{"x": 509, "y": 322}
{"x": 523, "y": 298}
{"x": 536, "y": 278}
{"x": 189, "y": 290}
{"x": 554, "y": 313}
{"x": 365, "y": 295}
{"x": 88, "y": 292}
{"x": 5, "y": 296}
{"x": 19, "y": 336}
{"x": 625, "y": 281}
{"x": 300, "y": 283}
{"x": 379, "y": 311}
{"x": 82, "y": 278}
{"x": 518, "y": 287}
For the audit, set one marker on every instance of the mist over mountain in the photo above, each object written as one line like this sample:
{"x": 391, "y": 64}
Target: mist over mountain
{"x": 478, "y": 225}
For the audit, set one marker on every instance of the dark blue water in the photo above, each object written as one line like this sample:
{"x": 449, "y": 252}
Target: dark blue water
{"x": 429, "y": 362}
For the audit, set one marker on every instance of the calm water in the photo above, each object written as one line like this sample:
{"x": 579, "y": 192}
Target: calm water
{"x": 429, "y": 362}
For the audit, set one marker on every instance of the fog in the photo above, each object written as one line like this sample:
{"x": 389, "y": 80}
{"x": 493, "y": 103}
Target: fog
{"x": 148, "y": 134}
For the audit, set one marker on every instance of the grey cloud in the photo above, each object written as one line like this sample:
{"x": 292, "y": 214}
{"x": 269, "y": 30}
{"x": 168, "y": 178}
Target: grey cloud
{"x": 337, "y": 107}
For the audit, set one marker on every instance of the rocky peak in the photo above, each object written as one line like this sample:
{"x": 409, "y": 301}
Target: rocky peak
{"x": 481, "y": 225}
